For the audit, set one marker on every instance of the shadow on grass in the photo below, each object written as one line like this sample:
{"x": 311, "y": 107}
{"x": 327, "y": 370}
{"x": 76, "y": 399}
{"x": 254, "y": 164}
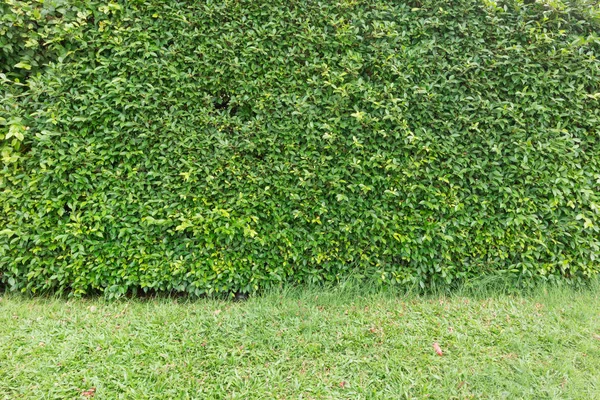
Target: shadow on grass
{"x": 349, "y": 288}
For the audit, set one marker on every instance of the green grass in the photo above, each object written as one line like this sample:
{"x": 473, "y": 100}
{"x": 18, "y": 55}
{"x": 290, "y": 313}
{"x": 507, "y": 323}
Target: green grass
{"x": 309, "y": 344}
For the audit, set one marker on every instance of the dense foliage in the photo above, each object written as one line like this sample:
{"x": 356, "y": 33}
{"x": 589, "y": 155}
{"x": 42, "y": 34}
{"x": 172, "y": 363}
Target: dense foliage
{"x": 232, "y": 145}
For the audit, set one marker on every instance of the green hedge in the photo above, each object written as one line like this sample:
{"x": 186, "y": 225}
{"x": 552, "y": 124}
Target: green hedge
{"x": 224, "y": 146}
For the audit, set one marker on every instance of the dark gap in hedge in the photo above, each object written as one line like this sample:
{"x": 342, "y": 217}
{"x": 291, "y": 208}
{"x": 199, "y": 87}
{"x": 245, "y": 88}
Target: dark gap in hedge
{"x": 221, "y": 101}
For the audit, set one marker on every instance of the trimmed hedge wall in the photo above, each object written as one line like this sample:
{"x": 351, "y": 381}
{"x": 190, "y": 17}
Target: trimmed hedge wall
{"x": 224, "y": 146}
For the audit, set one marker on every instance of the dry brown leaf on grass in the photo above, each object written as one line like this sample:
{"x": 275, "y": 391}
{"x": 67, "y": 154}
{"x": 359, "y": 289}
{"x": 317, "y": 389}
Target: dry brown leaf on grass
{"x": 89, "y": 393}
{"x": 437, "y": 349}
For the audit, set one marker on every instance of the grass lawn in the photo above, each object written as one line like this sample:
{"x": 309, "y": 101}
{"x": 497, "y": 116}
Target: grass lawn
{"x": 304, "y": 344}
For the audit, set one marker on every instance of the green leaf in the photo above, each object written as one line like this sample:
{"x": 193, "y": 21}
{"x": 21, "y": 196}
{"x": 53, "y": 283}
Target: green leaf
{"x": 23, "y": 65}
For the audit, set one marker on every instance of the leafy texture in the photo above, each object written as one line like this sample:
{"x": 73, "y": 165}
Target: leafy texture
{"x": 234, "y": 145}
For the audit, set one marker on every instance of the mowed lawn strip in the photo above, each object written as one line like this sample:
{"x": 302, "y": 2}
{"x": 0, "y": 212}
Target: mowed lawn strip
{"x": 309, "y": 344}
